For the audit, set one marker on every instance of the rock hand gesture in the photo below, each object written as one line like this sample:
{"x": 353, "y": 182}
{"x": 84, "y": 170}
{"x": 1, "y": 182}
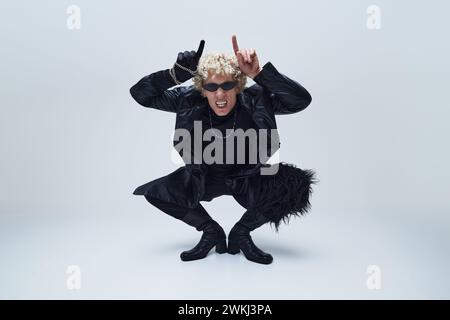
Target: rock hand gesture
{"x": 247, "y": 59}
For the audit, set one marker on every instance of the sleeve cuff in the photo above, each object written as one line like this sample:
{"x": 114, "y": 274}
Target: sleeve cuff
{"x": 267, "y": 70}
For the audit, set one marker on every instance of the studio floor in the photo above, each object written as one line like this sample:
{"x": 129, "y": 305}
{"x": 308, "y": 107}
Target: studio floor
{"x": 325, "y": 255}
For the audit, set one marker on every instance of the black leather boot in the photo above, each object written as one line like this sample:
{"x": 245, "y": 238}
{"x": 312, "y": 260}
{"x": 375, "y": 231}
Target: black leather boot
{"x": 239, "y": 239}
{"x": 213, "y": 235}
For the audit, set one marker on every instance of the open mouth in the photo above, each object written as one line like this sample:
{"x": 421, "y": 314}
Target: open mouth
{"x": 221, "y": 104}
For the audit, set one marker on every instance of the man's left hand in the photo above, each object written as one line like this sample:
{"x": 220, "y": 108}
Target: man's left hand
{"x": 247, "y": 59}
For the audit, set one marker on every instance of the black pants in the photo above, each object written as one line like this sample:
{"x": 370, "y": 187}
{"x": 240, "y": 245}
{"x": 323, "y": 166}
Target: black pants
{"x": 199, "y": 217}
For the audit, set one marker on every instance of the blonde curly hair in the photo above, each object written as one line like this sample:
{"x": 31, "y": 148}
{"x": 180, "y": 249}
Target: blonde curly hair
{"x": 219, "y": 63}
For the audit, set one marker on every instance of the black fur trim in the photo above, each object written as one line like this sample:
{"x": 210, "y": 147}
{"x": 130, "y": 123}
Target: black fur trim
{"x": 283, "y": 195}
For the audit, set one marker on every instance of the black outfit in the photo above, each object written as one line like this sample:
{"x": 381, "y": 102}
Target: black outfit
{"x": 267, "y": 198}
{"x": 244, "y": 121}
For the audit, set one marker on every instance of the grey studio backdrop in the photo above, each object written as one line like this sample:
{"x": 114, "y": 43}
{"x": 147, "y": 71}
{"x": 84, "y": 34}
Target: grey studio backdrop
{"x": 74, "y": 145}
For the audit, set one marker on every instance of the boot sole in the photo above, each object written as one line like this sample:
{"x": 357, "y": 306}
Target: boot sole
{"x": 221, "y": 247}
{"x": 233, "y": 248}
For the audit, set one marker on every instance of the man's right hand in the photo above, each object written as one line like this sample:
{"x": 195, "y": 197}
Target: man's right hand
{"x": 188, "y": 60}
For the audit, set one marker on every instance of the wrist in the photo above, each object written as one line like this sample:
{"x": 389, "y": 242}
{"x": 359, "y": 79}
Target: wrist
{"x": 253, "y": 75}
{"x": 182, "y": 73}
{"x": 174, "y": 77}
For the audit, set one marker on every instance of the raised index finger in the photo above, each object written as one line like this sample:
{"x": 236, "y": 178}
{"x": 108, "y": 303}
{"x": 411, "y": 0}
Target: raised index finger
{"x": 200, "y": 50}
{"x": 235, "y": 44}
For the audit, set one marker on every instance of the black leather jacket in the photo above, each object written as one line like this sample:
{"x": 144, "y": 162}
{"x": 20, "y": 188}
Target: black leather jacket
{"x": 272, "y": 94}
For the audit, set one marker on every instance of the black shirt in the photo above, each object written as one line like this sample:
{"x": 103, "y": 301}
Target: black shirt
{"x": 241, "y": 119}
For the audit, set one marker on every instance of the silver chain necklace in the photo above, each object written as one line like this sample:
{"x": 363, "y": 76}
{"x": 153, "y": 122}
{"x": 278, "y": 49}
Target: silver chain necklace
{"x": 234, "y": 123}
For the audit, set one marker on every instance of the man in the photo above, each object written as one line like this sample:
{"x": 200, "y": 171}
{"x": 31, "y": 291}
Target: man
{"x": 219, "y": 108}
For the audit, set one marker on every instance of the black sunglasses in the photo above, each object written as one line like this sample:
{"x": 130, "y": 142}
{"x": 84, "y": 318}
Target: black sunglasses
{"x": 225, "y": 86}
